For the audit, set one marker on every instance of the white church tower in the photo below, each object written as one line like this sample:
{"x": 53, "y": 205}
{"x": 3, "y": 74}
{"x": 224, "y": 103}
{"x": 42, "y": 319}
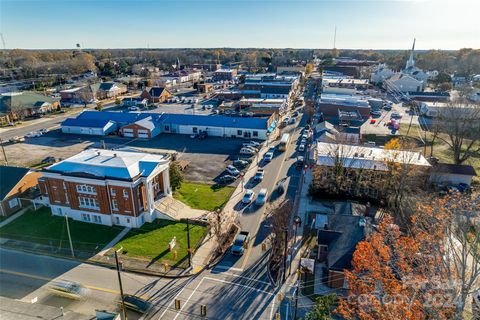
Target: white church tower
{"x": 411, "y": 62}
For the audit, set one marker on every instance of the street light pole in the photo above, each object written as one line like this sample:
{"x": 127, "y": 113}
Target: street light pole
{"x": 121, "y": 287}
{"x": 188, "y": 245}
{"x": 299, "y": 275}
{"x": 285, "y": 256}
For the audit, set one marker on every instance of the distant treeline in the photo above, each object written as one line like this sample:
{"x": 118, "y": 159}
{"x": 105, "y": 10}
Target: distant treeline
{"x": 23, "y": 64}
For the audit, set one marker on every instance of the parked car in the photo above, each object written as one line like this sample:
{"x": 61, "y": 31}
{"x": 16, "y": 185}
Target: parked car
{"x": 17, "y": 139}
{"x": 240, "y": 243}
{"x": 272, "y": 149}
{"x": 67, "y": 289}
{"x": 376, "y": 114}
{"x": 232, "y": 170}
{"x": 292, "y": 121}
{"x": 301, "y": 147}
{"x": 247, "y": 145}
{"x": 262, "y": 197}
{"x": 295, "y": 114}
{"x": 280, "y": 187}
{"x": 33, "y": 134}
{"x": 136, "y": 304}
{"x": 248, "y": 196}
{"x": 43, "y": 131}
{"x": 247, "y": 151}
{"x": 227, "y": 179}
{"x": 255, "y": 144}
{"x": 300, "y": 162}
{"x": 268, "y": 156}
{"x": 240, "y": 163}
{"x": 49, "y": 160}
{"x": 396, "y": 115}
{"x": 259, "y": 175}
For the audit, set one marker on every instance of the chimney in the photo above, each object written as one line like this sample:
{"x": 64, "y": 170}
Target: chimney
{"x": 98, "y": 153}
{"x": 114, "y": 155}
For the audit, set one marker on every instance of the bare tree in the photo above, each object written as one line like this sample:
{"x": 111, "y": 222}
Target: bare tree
{"x": 454, "y": 258}
{"x": 220, "y": 223}
{"x": 460, "y": 121}
{"x": 280, "y": 218}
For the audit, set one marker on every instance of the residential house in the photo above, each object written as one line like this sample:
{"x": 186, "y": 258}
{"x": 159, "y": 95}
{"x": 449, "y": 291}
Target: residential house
{"x": 19, "y": 105}
{"x": 108, "y": 90}
{"x": 451, "y": 174}
{"x": 15, "y": 182}
{"x": 156, "y": 94}
{"x": 339, "y": 232}
{"x": 109, "y": 187}
{"x": 79, "y": 95}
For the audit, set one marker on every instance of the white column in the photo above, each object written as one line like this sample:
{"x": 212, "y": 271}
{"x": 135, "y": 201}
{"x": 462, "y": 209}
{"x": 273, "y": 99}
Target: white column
{"x": 149, "y": 196}
{"x": 166, "y": 182}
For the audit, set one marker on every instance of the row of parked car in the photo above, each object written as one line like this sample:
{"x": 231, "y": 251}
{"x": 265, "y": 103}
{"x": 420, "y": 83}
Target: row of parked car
{"x": 33, "y": 134}
{"x": 233, "y": 171}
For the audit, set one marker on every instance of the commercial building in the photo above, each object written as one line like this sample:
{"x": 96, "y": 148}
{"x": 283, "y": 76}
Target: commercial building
{"x": 259, "y": 106}
{"x": 109, "y": 187}
{"x": 343, "y": 85}
{"x": 331, "y": 104}
{"x": 224, "y": 74}
{"x": 148, "y": 125}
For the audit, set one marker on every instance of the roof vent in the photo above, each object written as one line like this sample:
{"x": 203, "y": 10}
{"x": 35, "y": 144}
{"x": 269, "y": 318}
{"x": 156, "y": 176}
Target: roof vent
{"x": 114, "y": 155}
{"x": 98, "y": 153}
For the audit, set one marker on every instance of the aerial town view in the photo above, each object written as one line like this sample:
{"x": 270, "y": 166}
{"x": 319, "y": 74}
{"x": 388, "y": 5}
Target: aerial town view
{"x": 239, "y": 160}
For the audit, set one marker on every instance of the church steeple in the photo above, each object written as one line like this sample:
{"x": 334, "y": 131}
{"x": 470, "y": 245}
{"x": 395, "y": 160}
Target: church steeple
{"x": 411, "y": 62}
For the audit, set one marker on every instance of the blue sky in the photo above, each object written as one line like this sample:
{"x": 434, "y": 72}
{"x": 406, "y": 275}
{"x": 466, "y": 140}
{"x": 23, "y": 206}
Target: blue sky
{"x": 382, "y": 24}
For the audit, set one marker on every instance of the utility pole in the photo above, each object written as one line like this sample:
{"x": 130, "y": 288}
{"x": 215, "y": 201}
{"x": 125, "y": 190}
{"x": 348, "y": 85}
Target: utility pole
{"x": 69, "y": 236}
{"x": 188, "y": 245}
{"x": 121, "y": 287}
{"x": 285, "y": 256}
{"x": 4, "y": 154}
{"x": 296, "y": 293}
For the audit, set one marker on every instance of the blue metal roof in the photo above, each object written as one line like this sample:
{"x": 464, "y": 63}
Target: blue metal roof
{"x": 216, "y": 121}
{"x": 121, "y": 117}
{"x": 90, "y": 123}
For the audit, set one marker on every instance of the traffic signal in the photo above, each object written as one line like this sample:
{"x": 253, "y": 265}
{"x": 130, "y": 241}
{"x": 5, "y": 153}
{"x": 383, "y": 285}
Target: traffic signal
{"x": 203, "y": 310}
{"x": 177, "y": 304}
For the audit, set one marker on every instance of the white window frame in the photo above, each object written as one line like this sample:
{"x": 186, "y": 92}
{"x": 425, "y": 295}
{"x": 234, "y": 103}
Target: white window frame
{"x": 125, "y": 193}
{"x": 86, "y": 217}
{"x": 12, "y": 203}
{"x": 115, "y": 204}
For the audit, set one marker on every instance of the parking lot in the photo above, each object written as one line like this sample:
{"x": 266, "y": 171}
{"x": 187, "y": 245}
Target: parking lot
{"x": 207, "y": 158}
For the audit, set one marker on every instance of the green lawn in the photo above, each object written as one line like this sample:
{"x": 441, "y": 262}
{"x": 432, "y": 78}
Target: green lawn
{"x": 151, "y": 241}
{"x": 43, "y": 228}
{"x": 203, "y": 196}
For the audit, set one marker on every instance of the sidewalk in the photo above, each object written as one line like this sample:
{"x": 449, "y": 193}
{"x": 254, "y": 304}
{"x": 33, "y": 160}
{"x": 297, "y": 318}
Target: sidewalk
{"x": 114, "y": 241}
{"x": 14, "y": 216}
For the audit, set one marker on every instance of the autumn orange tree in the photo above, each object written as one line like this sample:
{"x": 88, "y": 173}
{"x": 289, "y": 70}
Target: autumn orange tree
{"x": 427, "y": 271}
